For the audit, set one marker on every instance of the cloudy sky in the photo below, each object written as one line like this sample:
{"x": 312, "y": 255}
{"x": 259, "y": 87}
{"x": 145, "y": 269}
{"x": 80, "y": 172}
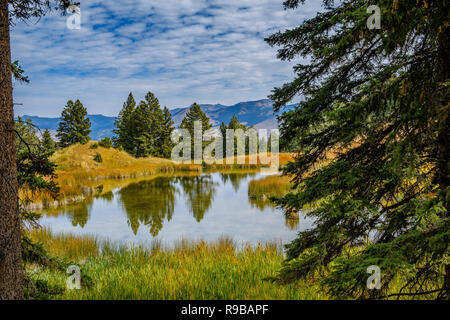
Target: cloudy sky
{"x": 208, "y": 51}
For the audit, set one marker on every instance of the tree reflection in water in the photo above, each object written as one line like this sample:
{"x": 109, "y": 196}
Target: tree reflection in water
{"x": 108, "y": 196}
{"x": 78, "y": 213}
{"x": 199, "y": 192}
{"x": 149, "y": 203}
{"x": 152, "y": 202}
{"x": 235, "y": 179}
{"x": 291, "y": 220}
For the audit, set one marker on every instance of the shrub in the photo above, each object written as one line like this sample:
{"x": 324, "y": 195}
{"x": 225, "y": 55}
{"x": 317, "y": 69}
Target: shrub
{"x": 105, "y": 142}
{"x": 94, "y": 146}
{"x": 98, "y": 157}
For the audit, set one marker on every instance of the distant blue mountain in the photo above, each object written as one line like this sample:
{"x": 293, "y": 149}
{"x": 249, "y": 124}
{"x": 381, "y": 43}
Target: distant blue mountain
{"x": 250, "y": 113}
{"x": 257, "y": 113}
{"x": 101, "y": 126}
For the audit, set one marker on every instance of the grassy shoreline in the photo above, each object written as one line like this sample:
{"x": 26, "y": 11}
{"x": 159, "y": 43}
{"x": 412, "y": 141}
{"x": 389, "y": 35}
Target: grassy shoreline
{"x": 192, "y": 270}
{"x": 80, "y": 176}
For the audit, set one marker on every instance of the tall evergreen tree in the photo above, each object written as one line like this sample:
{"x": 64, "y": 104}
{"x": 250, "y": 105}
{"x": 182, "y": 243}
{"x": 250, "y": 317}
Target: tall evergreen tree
{"x": 156, "y": 122}
{"x": 148, "y": 123}
{"x": 142, "y": 138}
{"x": 74, "y": 126}
{"x": 236, "y": 125}
{"x": 376, "y": 119}
{"x": 166, "y": 145}
{"x": 47, "y": 143}
{"x": 223, "y": 131}
{"x": 124, "y": 129}
{"x": 194, "y": 114}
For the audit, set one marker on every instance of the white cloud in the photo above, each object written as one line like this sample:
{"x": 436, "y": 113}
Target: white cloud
{"x": 182, "y": 50}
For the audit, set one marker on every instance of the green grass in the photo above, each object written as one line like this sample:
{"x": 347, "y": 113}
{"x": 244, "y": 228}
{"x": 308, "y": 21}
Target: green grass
{"x": 191, "y": 270}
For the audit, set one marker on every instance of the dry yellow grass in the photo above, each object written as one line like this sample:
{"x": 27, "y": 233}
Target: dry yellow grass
{"x": 270, "y": 186}
{"x": 78, "y": 173}
{"x": 79, "y": 160}
{"x": 69, "y": 246}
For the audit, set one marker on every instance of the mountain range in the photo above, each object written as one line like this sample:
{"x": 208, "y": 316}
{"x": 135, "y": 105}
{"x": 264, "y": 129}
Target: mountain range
{"x": 251, "y": 113}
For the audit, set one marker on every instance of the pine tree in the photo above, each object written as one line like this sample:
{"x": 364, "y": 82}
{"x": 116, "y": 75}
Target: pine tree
{"x": 223, "y": 131}
{"x": 74, "y": 126}
{"x": 374, "y": 132}
{"x": 165, "y": 142}
{"x": 156, "y": 124}
{"x": 147, "y": 121}
{"x": 47, "y": 143}
{"x": 142, "y": 138}
{"x": 236, "y": 125}
{"x": 35, "y": 173}
{"x": 124, "y": 126}
{"x": 194, "y": 114}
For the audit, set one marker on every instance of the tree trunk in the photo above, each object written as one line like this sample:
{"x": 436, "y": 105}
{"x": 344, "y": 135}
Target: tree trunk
{"x": 11, "y": 275}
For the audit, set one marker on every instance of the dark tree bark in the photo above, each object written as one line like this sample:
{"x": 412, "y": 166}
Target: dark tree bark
{"x": 11, "y": 273}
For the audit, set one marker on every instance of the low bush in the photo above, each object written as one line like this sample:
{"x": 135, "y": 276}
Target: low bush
{"x": 105, "y": 143}
{"x": 98, "y": 157}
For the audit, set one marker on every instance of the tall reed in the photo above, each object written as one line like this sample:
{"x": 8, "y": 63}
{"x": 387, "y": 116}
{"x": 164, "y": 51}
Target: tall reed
{"x": 190, "y": 270}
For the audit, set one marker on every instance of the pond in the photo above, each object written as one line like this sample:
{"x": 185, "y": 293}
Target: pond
{"x": 170, "y": 208}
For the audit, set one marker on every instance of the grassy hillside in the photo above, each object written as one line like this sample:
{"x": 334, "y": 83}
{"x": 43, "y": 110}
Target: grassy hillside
{"x": 78, "y": 160}
{"x": 78, "y": 174}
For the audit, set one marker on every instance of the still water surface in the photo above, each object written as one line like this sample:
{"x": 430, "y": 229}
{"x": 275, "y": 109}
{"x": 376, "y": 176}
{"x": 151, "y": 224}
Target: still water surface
{"x": 208, "y": 206}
